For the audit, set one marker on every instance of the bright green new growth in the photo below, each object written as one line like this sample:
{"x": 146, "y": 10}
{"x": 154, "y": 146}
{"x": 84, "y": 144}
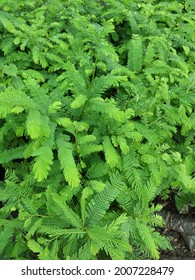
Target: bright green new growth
{"x": 96, "y": 121}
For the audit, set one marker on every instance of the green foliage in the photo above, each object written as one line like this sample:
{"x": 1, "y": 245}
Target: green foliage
{"x": 96, "y": 121}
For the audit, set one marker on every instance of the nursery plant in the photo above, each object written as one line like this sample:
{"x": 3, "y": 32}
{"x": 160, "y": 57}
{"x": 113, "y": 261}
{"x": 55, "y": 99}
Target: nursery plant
{"x": 97, "y": 126}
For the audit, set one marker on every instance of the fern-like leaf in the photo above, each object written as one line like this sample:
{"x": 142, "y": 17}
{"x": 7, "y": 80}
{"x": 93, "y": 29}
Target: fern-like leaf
{"x": 112, "y": 157}
{"x": 97, "y": 170}
{"x": 67, "y": 212}
{"x": 110, "y": 241}
{"x": 43, "y": 162}
{"x": 99, "y": 204}
{"x": 12, "y": 154}
{"x": 84, "y": 253}
{"x": 135, "y": 53}
{"x": 11, "y": 98}
{"x": 106, "y": 107}
{"x": 7, "y": 233}
{"x": 65, "y": 154}
{"x": 33, "y": 124}
{"x": 79, "y": 101}
{"x": 146, "y": 235}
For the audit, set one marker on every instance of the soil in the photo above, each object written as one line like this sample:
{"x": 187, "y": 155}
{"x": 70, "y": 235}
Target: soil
{"x": 180, "y": 250}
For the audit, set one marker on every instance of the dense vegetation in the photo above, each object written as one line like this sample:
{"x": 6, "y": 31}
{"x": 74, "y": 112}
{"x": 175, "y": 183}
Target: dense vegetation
{"x": 97, "y": 125}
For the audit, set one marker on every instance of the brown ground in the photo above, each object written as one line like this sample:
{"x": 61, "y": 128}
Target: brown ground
{"x": 180, "y": 250}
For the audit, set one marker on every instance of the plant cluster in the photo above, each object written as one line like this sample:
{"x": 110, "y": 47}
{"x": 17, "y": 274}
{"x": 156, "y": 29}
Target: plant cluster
{"x": 97, "y": 120}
